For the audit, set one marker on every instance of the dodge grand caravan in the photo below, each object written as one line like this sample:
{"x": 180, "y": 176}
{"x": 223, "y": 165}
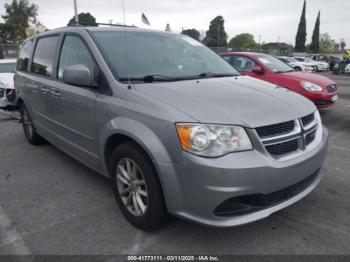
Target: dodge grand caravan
{"x": 175, "y": 128}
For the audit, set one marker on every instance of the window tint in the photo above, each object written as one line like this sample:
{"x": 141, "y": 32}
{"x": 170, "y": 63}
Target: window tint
{"x": 74, "y": 51}
{"x": 24, "y": 55}
{"x": 243, "y": 63}
{"x": 44, "y": 56}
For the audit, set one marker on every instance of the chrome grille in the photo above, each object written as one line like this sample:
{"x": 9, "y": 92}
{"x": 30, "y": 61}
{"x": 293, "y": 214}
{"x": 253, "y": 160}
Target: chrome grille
{"x": 283, "y": 148}
{"x": 274, "y": 130}
{"x": 306, "y": 120}
{"x": 288, "y": 138}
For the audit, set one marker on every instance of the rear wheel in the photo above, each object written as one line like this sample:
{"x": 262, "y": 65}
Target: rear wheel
{"x": 28, "y": 127}
{"x": 136, "y": 187}
{"x": 297, "y": 68}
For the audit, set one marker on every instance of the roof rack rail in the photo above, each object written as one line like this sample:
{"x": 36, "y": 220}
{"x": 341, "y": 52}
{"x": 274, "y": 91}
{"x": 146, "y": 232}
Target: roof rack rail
{"x": 107, "y": 24}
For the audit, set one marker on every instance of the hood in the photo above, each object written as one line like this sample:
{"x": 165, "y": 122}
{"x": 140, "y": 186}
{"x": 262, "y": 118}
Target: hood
{"x": 309, "y": 77}
{"x": 239, "y": 100}
{"x": 6, "y": 80}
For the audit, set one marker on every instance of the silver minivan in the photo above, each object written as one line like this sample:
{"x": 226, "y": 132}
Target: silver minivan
{"x": 174, "y": 127}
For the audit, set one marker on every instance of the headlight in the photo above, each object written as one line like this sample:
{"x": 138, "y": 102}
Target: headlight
{"x": 310, "y": 86}
{"x": 212, "y": 140}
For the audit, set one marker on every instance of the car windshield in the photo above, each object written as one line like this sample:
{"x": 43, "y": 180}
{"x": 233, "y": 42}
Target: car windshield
{"x": 7, "y": 67}
{"x": 291, "y": 59}
{"x": 153, "y": 56}
{"x": 274, "y": 64}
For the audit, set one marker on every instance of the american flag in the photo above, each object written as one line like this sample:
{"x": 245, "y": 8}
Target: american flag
{"x": 144, "y": 19}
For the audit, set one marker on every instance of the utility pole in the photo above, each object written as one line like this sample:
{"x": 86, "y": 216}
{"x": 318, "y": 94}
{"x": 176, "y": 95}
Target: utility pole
{"x": 76, "y": 12}
{"x": 278, "y": 40}
{"x": 259, "y": 39}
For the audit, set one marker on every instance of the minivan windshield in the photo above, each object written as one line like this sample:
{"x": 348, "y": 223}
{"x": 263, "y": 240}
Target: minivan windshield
{"x": 274, "y": 64}
{"x": 158, "y": 56}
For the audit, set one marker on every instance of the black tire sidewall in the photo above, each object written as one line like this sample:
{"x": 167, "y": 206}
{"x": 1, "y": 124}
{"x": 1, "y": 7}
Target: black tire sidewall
{"x": 155, "y": 212}
{"x": 35, "y": 138}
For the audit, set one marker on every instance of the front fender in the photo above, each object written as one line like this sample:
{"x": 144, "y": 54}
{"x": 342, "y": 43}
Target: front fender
{"x": 137, "y": 131}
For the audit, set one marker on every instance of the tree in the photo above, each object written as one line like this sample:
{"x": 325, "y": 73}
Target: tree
{"x": 342, "y": 45}
{"x": 326, "y": 43}
{"x": 315, "y": 44}
{"x": 300, "y": 38}
{"x": 216, "y": 35}
{"x": 18, "y": 15}
{"x": 192, "y": 33}
{"x": 85, "y": 19}
{"x": 244, "y": 40}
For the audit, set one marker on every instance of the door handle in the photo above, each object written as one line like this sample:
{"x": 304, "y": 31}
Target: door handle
{"x": 55, "y": 93}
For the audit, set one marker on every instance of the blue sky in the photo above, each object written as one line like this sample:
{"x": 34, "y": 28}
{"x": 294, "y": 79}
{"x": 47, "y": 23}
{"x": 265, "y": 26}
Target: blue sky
{"x": 270, "y": 19}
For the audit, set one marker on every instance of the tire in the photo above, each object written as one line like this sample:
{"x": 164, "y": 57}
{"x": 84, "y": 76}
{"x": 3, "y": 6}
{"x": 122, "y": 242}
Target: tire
{"x": 28, "y": 127}
{"x": 297, "y": 68}
{"x": 153, "y": 214}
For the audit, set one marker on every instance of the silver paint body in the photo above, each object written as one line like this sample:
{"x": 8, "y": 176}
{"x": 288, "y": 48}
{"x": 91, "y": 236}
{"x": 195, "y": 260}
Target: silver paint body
{"x": 79, "y": 121}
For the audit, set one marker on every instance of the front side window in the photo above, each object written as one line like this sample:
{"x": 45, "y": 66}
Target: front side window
{"x": 7, "y": 67}
{"x": 136, "y": 54}
{"x": 24, "y": 55}
{"x": 274, "y": 64}
{"x": 74, "y": 51}
{"x": 44, "y": 55}
{"x": 243, "y": 63}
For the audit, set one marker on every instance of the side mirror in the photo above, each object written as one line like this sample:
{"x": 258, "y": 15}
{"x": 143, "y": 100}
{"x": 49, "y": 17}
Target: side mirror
{"x": 78, "y": 75}
{"x": 257, "y": 70}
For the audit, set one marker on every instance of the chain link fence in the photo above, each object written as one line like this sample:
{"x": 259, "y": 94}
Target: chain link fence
{"x": 8, "y": 51}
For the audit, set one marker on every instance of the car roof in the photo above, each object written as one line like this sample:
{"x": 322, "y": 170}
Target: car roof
{"x": 7, "y": 60}
{"x": 243, "y": 53}
{"x": 78, "y": 29}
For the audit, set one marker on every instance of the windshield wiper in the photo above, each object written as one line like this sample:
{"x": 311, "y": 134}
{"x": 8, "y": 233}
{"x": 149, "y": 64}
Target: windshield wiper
{"x": 150, "y": 78}
{"x": 208, "y": 75}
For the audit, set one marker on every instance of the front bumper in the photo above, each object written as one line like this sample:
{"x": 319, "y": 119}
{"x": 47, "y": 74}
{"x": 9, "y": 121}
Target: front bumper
{"x": 194, "y": 190}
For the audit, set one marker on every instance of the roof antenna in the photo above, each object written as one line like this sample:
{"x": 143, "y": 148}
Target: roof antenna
{"x": 126, "y": 47}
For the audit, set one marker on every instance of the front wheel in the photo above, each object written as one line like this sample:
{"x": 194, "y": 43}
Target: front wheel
{"x": 28, "y": 127}
{"x": 297, "y": 68}
{"x": 136, "y": 187}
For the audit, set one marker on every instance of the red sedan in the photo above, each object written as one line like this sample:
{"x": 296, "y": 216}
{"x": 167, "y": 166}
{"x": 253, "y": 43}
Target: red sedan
{"x": 319, "y": 89}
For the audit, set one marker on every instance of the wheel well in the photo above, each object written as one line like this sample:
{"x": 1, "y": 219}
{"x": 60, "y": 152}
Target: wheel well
{"x": 19, "y": 101}
{"x": 113, "y": 142}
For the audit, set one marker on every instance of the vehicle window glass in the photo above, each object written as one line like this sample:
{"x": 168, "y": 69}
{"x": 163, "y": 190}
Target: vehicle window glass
{"x": 299, "y": 59}
{"x": 44, "y": 55}
{"x": 74, "y": 51}
{"x": 7, "y": 67}
{"x": 274, "y": 64}
{"x": 243, "y": 63}
{"x": 283, "y": 60}
{"x": 153, "y": 53}
{"x": 24, "y": 55}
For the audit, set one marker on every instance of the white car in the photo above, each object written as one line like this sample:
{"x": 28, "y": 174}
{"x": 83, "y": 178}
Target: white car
{"x": 347, "y": 69}
{"x": 297, "y": 65}
{"x": 7, "y": 90}
{"x": 319, "y": 66}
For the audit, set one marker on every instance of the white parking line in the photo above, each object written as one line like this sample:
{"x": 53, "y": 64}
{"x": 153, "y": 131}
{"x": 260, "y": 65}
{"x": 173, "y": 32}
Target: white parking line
{"x": 9, "y": 236}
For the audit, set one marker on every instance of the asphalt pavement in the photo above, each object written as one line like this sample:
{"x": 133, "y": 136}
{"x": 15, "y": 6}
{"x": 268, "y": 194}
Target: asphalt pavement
{"x": 51, "y": 204}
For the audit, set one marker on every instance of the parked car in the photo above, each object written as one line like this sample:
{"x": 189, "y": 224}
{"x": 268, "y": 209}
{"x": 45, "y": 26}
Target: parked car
{"x": 319, "y": 89}
{"x": 347, "y": 69}
{"x": 319, "y": 66}
{"x": 295, "y": 64}
{"x": 176, "y": 129}
{"x": 7, "y": 89}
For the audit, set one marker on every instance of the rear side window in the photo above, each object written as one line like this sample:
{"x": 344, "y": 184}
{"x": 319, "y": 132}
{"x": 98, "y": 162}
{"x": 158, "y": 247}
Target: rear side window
{"x": 74, "y": 51}
{"x": 44, "y": 55}
{"x": 24, "y": 55}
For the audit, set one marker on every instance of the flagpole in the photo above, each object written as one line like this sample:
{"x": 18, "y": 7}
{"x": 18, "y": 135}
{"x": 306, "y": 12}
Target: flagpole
{"x": 76, "y": 17}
